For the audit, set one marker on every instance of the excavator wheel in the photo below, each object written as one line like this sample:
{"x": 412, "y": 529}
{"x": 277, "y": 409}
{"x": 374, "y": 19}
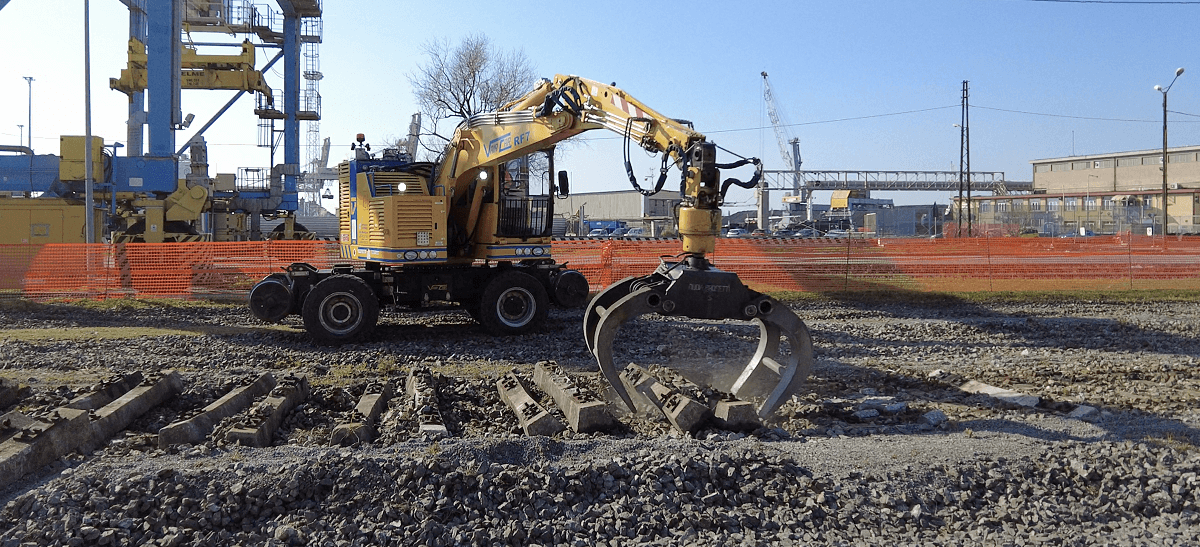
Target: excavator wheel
{"x": 513, "y": 303}
{"x": 340, "y": 309}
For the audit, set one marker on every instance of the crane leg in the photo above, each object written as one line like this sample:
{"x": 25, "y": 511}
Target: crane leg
{"x": 692, "y": 288}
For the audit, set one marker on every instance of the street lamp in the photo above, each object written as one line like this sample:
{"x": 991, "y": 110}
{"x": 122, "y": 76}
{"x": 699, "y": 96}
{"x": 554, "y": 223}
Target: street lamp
{"x": 1178, "y": 72}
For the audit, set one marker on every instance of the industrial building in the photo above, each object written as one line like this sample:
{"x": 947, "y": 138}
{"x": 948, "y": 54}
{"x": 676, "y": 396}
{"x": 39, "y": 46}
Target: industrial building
{"x": 651, "y": 213}
{"x": 849, "y": 210}
{"x": 1097, "y": 194}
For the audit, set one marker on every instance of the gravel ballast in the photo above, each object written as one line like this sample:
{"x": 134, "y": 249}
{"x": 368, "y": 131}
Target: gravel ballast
{"x": 882, "y": 446}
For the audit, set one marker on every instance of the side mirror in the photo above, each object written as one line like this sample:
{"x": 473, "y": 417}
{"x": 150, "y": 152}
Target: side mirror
{"x": 564, "y": 187}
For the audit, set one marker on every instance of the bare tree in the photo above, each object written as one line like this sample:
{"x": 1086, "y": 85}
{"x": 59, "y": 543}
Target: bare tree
{"x": 472, "y": 77}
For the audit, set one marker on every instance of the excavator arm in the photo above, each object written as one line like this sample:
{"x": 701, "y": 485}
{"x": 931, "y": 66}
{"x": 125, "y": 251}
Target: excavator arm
{"x": 689, "y": 287}
{"x": 566, "y": 106}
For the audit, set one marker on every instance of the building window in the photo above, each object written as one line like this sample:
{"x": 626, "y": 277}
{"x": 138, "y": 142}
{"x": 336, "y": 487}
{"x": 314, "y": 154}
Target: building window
{"x": 1070, "y": 204}
{"x": 1102, "y": 164}
{"x": 1129, "y": 162}
{"x": 985, "y": 207}
{"x": 1181, "y": 158}
{"x": 1152, "y": 160}
{"x": 1053, "y": 204}
{"x": 1035, "y": 205}
{"x": 1089, "y": 204}
{"x": 1041, "y": 168}
{"x": 1059, "y": 167}
{"x": 1108, "y": 204}
{"x": 1080, "y": 165}
{"x": 1002, "y": 206}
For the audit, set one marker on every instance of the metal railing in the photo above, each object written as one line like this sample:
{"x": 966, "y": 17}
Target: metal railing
{"x": 524, "y": 217}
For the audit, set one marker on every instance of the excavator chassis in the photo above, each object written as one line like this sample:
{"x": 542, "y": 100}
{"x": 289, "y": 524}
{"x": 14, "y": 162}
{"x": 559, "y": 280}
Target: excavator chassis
{"x": 693, "y": 288}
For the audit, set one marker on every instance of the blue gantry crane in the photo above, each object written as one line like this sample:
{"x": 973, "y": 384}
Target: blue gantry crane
{"x": 140, "y": 195}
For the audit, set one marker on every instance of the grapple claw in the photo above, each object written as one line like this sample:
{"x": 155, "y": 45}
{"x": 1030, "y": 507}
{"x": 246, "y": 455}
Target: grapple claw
{"x": 599, "y": 304}
{"x": 610, "y": 320}
{"x": 693, "y": 289}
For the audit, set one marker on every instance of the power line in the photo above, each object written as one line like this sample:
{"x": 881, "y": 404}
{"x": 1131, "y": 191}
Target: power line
{"x": 1117, "y": 1}
{"x": 1071, "y": 117}
{"x": 760, "y": 128}
{"x": 839, "y": 119}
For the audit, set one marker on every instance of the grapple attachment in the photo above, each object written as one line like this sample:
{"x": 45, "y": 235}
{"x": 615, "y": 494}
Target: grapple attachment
{"x": 693, "y": 288}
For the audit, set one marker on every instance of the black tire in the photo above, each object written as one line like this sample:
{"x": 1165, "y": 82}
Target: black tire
{"x": 271, "y": 298}
{"x": 513, "y": 303}
{"x": 297, "y": 231}
{"x": 340, "y": 309}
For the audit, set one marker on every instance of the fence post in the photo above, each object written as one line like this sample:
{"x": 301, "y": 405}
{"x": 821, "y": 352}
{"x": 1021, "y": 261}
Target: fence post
{"x": 1129, "y": 254}
{"x": 846, "y": 280}
{"x": 606, "y": 263}
{"x": 991, "y": 275}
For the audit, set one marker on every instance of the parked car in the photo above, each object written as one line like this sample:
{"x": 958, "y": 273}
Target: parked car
{"x": 802, "y": 232}
{"x": 735, "y": 232}
{"x": 760, "y": 233}
{"x": 636, "y": 232}
{"x": 598, "y": 232}
{"x": 619, "y": 232}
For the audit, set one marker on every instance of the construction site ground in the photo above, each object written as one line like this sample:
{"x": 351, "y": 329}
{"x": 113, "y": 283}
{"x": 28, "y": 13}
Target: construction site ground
{"x": 1044, "y": 420}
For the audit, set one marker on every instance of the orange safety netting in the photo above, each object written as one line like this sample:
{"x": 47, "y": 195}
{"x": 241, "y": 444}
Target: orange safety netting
{"x": 228, "y": 270}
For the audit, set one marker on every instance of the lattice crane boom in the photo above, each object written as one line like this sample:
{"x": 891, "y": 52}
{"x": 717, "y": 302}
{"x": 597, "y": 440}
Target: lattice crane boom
{"x": 781, "y": 135}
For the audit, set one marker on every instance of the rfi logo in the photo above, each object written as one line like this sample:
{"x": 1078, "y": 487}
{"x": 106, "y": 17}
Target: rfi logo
{"x": 505, "y": 142}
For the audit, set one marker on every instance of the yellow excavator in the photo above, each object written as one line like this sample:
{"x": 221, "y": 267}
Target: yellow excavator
{"x": 473, "y": 229}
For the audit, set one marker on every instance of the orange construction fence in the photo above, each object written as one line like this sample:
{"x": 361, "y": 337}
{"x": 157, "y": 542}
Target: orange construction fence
{"x": 228, "y": 270}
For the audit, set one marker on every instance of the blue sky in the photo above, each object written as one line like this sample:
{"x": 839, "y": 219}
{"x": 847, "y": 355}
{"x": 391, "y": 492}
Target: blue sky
{"x": 1059, "y": 62}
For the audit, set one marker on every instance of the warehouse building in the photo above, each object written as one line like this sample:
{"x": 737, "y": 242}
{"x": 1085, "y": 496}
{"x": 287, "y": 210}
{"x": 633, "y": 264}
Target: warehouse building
{"x": 1097, "y": 195}
{"x": 651, "y": 213}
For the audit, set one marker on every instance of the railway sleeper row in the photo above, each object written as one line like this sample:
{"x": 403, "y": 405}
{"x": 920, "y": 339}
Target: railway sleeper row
{"x": 28, "y": 443}
{"x": 251, "y": 413}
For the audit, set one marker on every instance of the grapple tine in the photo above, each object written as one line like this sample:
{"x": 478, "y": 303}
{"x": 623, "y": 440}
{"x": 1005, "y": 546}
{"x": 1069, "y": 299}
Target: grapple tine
{"x": 609, "y": 321}
{"x": 770, "y": 373}
{"x": 602, "y": 301}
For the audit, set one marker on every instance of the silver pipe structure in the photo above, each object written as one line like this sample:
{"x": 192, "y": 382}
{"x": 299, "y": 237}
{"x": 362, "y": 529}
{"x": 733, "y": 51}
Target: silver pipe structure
{"x": 29, "y": 80}
{"x": 29, "y": 124}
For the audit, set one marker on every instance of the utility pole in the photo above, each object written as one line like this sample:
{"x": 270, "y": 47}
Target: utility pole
{"x": 89, "y": 205}
{"x": 964, "y": 157}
